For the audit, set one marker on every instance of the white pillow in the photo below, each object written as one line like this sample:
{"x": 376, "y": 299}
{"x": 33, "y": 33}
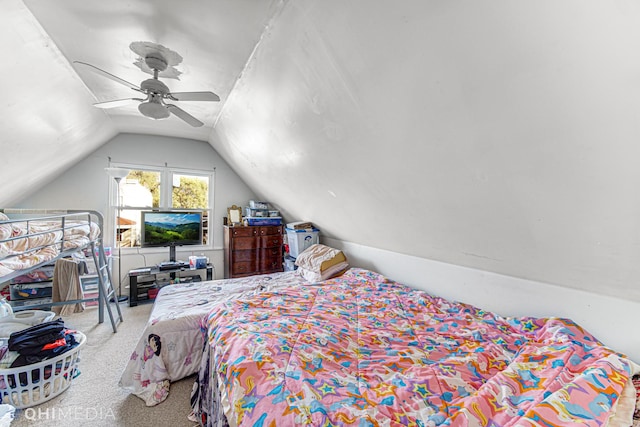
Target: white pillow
{"x": 318, "y": 258}
{"x": 333, "y": 271}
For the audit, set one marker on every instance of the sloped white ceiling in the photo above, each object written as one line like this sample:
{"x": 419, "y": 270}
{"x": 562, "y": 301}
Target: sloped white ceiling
{"x": 214, "y": 38}
{"x": 497, "y": 135}
{"x": 49, "y": 120}
{"x": 502, "y": 135}
{"x": 45, "y": 122}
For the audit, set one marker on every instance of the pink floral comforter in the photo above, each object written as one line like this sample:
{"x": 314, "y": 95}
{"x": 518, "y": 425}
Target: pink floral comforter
{"x": 170, "y": 347}
{"x": 364, "y": 350}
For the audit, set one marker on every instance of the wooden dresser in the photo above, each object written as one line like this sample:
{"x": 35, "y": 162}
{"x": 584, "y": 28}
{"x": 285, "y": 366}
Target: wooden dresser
{"x": 252, "y": 250}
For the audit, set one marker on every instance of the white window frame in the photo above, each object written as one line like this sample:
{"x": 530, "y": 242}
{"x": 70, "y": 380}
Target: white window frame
{"x": 166, "y": 187}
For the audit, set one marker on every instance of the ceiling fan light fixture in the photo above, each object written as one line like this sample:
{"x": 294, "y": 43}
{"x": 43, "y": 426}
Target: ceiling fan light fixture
{"x": 153, "y": 110}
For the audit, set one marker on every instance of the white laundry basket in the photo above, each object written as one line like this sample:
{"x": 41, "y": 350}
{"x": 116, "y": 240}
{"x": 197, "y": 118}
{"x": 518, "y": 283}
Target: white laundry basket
{"x": 31, "y": 385}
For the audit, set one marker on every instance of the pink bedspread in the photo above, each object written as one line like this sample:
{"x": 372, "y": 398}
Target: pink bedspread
{"x": 364, "y": 350}
{"x": 171, "y": 344}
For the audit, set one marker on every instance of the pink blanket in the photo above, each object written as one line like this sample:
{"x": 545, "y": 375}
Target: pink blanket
{"x": 363, "y": 350}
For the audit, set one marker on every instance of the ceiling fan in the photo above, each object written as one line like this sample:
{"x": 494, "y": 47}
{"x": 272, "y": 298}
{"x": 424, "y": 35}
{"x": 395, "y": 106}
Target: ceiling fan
{"x": 156, "y": 59}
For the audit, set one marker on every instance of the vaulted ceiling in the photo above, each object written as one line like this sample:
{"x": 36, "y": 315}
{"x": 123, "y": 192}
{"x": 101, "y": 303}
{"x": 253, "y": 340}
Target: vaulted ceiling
{"x": 497, "y": 135}
{"x": 48, "y": 115}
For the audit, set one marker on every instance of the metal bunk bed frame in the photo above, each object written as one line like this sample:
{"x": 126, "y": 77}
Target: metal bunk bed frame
{"x": 106, "y": 291}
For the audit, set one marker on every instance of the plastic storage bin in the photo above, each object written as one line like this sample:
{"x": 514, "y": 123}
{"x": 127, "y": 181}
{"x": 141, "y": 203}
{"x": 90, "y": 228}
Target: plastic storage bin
{"x": 90, "y": 283}
{"x": 254, "y": 204}
{"x": 263, "y": 221}
{"x": 31, "y": 290}
{"x": 42, "y": 303}
{"x": 30, "y": 385}
{"x": 256, "y": 213}
{"x": 290, "y": 263}
{"x": 299, "y": 240}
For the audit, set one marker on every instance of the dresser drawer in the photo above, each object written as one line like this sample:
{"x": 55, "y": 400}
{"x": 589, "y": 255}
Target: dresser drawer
{"x": 244, "y": 243}
{"x": 243, "y": 267}
{"x": 266, "y": 230}
{"x": 270, "y": 241}
{"x": 271, "y": 264}
{"x": 244, "y": 256}
{"x": 243, "y": 231}
{"x": 270, "y": 253}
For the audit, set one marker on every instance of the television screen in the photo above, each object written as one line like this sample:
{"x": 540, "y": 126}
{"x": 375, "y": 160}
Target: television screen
{"x": 171, "y": 228}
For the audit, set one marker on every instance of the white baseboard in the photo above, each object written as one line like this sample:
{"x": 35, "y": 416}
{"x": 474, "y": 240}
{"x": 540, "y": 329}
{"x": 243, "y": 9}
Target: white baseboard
{"x": 613, "y": 321}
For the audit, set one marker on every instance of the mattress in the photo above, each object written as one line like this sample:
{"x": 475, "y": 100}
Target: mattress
{"x": 364, "y": 350}
{"x": 170, "y": 347}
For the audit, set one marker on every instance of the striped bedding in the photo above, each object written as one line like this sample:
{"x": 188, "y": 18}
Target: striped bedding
{"x": 34, "y": 242}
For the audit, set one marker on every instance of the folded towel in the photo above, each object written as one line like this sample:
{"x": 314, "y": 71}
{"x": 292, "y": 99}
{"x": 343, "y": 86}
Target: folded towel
{"x": 66, "y": 287}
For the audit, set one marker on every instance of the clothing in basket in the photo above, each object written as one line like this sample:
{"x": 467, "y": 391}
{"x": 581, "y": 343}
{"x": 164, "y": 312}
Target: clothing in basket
{"x": 39, "y": 363}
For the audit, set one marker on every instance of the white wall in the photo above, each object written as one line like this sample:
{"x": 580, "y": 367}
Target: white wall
{"x": 498, "y": 135}
{"x": 86, "y": 186}
{"x": 613, "y": 321}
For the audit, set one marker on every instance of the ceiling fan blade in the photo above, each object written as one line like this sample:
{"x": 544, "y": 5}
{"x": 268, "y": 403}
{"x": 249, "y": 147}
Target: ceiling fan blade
{"x": 184, "y": 115}
{"x": 109, "y": 75}
{"x": 117, "y": 103}
{"x": 195, "y": 96}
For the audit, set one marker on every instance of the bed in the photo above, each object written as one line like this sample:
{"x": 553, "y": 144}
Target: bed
{"x": 32, "y": 239}
{"x": 361, "y": 349}
{"x": 171, "y": 345}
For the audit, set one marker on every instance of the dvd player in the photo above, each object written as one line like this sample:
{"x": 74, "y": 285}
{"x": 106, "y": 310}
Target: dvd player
{"x": 170, "y": 265}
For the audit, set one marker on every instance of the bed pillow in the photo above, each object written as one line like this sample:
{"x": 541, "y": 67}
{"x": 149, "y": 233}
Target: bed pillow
{"x": 329, "y": 273}
{"x": 319, "y": 262}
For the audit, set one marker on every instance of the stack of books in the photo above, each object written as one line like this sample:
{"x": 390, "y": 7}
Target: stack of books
{"x": 300, "y": 225}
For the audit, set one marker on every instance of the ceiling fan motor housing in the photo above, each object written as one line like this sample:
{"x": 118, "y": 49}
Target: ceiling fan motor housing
{"x": 154, "y": 86}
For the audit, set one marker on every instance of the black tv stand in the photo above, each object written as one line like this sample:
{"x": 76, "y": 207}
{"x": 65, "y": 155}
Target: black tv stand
{"x": 140, "y": 279}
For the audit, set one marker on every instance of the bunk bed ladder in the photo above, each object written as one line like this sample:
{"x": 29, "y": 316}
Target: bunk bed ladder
{"x": 107, "y": 293}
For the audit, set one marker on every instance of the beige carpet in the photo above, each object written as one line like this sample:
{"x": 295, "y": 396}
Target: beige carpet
{"x": 94, "y": 397}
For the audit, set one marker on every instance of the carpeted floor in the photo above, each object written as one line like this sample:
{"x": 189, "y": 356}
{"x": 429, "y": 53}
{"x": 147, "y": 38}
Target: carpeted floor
{"x": 94, "y": 397}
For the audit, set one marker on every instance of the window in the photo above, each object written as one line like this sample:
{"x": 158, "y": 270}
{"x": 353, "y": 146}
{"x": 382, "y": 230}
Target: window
{"x": 164, "y": 189}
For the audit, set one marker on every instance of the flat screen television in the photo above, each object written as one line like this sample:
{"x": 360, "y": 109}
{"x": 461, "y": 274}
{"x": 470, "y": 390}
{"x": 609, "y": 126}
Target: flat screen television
{"x": 171, "y": 229}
